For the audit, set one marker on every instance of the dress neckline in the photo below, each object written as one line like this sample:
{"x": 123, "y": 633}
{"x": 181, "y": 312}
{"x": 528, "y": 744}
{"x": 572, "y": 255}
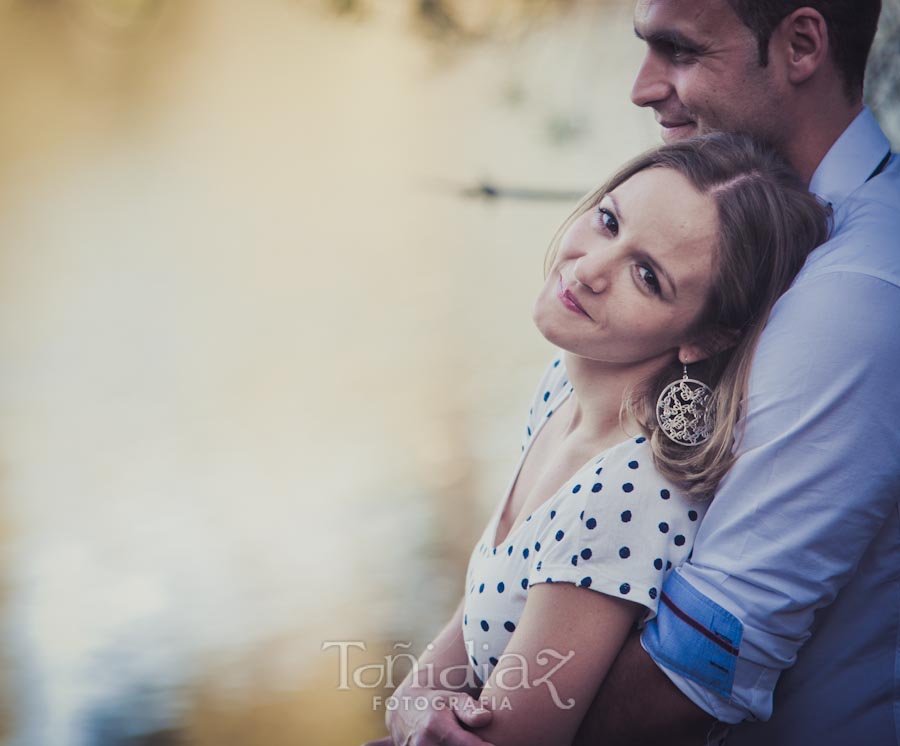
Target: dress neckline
{"x": 498, "y": 514}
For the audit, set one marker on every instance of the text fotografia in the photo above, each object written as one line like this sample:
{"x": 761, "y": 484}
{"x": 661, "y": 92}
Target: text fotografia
{"x": 452, "y": 702}
{"x": 511, "y": 672}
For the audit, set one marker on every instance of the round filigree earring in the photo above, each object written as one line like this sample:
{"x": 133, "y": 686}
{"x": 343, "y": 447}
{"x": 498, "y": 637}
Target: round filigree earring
{"x": 683, "y": 411}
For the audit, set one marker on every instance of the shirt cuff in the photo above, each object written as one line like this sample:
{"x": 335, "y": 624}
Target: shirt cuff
{"x": 697, "y": 644}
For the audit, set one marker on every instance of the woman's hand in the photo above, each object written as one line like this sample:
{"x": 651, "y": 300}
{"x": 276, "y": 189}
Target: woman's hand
{"x": 419, "y": 715}
{"x": 435, "y": 717}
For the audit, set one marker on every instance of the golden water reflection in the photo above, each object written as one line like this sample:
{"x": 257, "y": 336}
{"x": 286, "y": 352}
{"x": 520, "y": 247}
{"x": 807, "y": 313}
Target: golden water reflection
{"x": 264, "y": 368}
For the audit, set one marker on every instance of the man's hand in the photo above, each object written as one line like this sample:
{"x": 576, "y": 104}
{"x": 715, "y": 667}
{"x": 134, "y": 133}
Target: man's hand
{"x": 444, "y": 721}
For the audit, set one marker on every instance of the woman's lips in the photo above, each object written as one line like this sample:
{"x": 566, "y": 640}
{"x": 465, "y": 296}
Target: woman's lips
{"x": 568, "y": 300}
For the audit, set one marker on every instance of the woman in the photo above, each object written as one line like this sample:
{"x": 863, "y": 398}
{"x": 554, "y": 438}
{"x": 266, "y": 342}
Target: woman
{"x": 675, "y": 262}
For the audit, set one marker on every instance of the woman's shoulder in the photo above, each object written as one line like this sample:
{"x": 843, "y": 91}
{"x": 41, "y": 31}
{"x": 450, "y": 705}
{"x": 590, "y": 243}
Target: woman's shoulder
{"x": 618, "y": 527}
{"x": 552, "y": 388}
{"x": 628, "y": 468}
{"x": 555, "y": 378}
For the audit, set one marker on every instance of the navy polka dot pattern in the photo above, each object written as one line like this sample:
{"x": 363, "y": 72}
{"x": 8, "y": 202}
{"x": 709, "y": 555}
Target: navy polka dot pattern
{"x": 614, "y": 536}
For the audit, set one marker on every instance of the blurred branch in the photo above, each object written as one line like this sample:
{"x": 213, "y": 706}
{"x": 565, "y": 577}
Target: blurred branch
{"x": 487, "y": 190}
{"x": 490, "y": 191}
{"x": 883, "y": 72}
{"x": 463, "y": 19}
{"x": 438, "y": 16}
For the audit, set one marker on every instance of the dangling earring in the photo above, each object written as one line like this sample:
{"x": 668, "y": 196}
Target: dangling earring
{"x": 683, "y": 411}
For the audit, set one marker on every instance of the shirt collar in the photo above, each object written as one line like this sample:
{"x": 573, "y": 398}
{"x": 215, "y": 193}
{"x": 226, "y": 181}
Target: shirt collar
{"x": 851, "y": 160}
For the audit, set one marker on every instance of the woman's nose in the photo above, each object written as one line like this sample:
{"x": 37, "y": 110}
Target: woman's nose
{"x": 592, "y": 271}
{"x": 651, "y": 86}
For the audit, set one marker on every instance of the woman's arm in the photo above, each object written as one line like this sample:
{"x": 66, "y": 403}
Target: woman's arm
{"x": 556, "y": 660}
{"x": 444, "y": 680}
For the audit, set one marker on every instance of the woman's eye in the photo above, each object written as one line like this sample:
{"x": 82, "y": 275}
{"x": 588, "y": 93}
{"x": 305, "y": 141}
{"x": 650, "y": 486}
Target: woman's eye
{"x": 608, "y": 221}
{"x": 649, "y": 279}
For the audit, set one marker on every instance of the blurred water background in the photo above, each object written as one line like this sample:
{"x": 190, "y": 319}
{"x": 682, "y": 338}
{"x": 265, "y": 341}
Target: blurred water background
{"x": 266, "y": 344}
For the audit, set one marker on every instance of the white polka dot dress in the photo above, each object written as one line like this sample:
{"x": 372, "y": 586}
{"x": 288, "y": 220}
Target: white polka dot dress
{"x": 616, "y": 527}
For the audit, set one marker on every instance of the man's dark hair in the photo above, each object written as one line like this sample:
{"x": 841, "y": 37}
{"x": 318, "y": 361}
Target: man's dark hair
{"x": 851, "y": 28}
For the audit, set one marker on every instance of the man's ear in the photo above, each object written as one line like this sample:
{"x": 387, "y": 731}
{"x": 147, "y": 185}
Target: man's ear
{"x": 801, "y": 39}
{"x": 708, "y": 343}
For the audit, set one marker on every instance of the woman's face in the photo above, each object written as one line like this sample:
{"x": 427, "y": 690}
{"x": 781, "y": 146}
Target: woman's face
{"x": 633, "y": 274}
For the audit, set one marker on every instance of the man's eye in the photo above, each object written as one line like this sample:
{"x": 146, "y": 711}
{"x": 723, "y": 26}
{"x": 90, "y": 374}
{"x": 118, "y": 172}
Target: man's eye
{"x": 649, "y": 279}
{"x": 608, "y": 221}
{"x": 676, "y": 52}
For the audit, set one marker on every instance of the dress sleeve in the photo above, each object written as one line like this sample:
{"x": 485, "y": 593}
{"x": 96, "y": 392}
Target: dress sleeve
{"x": 618, "y": 528}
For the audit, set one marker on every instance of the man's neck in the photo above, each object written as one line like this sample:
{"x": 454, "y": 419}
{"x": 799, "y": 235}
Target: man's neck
{"x": 814, "y": 135}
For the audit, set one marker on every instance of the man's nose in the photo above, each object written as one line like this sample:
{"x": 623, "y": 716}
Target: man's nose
{"x": 651, "y": 85}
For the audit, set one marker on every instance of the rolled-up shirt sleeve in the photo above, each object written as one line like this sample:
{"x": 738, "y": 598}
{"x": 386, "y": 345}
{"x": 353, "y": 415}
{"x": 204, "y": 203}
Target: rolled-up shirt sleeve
{"x": 816, "y": 478}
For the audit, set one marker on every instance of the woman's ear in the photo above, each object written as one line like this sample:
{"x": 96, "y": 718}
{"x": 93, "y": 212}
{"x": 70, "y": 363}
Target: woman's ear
{"x": 708, "y": 343}
{"x": 801, "y": 39}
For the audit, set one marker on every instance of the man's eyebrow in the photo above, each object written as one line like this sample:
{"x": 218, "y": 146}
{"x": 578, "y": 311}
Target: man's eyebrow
{"x": 668, "y": 38}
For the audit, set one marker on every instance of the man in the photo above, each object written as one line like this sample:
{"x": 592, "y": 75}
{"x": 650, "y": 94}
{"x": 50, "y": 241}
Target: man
{"x": 811, "y": 507}
{"x": 809, "y": 513}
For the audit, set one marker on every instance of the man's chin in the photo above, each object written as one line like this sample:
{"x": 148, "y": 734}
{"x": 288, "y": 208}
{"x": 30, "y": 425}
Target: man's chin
{"x": 680, "y": 132}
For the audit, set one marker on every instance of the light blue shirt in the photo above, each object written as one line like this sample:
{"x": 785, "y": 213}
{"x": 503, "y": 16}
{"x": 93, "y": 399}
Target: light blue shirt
{"x": 810, "y": 511}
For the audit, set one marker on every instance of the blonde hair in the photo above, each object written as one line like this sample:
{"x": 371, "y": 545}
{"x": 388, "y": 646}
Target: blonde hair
{"x": 768, "y": 224}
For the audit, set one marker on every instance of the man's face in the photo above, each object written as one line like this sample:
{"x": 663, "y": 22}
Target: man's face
{"x": 701, "y": 72}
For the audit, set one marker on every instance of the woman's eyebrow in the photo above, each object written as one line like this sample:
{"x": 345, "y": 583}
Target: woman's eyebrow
{"x": 615, "y": 204}
{"x": 664, "y": 272}
{"x": 655, "y": 262}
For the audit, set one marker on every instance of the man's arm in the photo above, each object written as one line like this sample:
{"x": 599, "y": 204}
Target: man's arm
{"x": 622, "y": 715}
{"x": 817, "y": 478}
